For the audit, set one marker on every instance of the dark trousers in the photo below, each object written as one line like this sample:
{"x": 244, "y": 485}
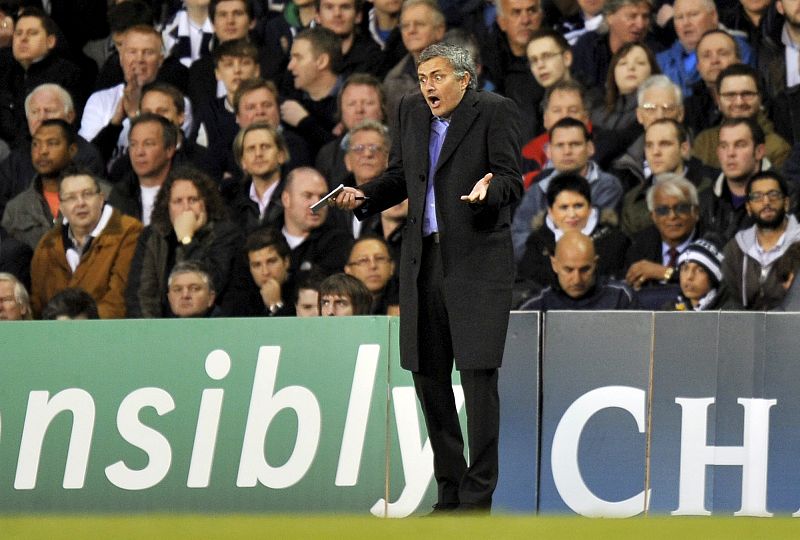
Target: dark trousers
{"x": 458, "y": 483}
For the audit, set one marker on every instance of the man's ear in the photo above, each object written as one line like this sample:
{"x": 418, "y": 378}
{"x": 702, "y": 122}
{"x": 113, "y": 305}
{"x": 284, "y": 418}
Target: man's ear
{"x": 639, "y": 117}
{"x": 590, "y": 148}
{"x": 686, "y": 150}
{"x": 51, "y": 42}
{"x": 502, "y": 22}
{"x": 465, "y": 81}
{"x": 554, "y": 264}
{"x": 760, "y": 151}
{"x": 323, "y": 61}
{"x": 567, "y": 58}
{"x": 789, "y": 281}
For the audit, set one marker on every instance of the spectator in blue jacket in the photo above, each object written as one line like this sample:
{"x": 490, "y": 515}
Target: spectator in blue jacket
{"x": 692, "y": 19}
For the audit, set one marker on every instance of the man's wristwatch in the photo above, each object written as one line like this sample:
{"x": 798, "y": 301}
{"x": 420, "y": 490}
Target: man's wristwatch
{"x": 186, "y": 240}
{"x": 275, "y": 308}
{"x": 668, "y": 273}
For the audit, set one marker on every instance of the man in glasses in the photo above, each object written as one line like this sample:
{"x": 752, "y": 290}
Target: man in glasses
{"x": 371, "y": 263}
{"x": 653, "y": 256}
{"x": 739, "y": 95}
{"x": 92, "y": 249}
{"x": 750, "y": 257}
{"x": 549, "y": 57}
{"x": 667, "y": 149}
{"x": 716, "y": 50}
{"x": 741, "y": 151}
{"x": 657, "y": 97}
{"x": 366, "y": 156}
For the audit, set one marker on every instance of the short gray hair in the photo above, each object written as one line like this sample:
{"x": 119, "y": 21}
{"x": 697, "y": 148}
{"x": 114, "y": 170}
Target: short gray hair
{"x": 191, "y": 267}
{"x": 21, "y": 295}
{"x": 367, "y": 125}
{"x": 672, "y": 185}
{"x": 458, "y": 57}
{"x": 62, "y": 94}
{"x": 658, "y": 81}
{"x": 433, "y": 5}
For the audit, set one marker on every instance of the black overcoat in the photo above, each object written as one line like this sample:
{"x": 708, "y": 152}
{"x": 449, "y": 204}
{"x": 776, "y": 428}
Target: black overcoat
{"x": 478, "y": 263}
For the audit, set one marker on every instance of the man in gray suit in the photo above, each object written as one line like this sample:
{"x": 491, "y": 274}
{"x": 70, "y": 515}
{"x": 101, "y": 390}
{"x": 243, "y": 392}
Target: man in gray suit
{"x": 456, "y": 267}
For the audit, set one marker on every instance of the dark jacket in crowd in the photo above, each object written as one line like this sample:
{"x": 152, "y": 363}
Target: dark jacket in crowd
{"x": 215, "y": 244}
{"x": 605, "y": 295}
{"x": 17, "y": 83}
{"x": 17, "y": 172}
{"x": 534, "y": 270}
{"x": 512, "y": 78}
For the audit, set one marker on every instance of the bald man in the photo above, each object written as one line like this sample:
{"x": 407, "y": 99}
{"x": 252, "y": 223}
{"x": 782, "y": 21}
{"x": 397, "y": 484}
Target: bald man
{"x": 575, "y": 266}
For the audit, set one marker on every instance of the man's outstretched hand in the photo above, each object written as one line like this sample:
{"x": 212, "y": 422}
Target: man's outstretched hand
{"x": 478, "y": 193}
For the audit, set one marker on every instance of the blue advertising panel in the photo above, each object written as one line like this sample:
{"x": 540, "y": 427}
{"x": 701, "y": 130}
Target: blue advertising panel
{"x": 708, "y": 383}
{"x": 595, "y": 372}
{"x": 519, "y": 416}
{"x": 782, "y": 374}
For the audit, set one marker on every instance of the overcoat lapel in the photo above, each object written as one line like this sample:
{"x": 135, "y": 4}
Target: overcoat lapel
{"x": 463, "y": 117}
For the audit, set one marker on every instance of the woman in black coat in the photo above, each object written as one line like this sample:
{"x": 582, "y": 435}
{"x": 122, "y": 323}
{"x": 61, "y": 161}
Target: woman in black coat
{"x": 569, "y": 203}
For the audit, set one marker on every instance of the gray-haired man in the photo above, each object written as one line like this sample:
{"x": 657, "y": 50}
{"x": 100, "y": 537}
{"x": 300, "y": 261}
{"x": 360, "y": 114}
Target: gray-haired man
{"x": 452, "y": 136}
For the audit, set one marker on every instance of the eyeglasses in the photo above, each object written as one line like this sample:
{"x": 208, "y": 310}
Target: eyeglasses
{"x": 680, "y": 209}
{"x": 747, "y": 95}
{"x": 364, "y": 148}
{"x": 666, "y": 108}
{"x": 8, "y": 301}
{"x": 545, "y": 57}
{"x": 772, "y": 196}
{"x": 85, "y": 195}
{"x": 365, "y": 261}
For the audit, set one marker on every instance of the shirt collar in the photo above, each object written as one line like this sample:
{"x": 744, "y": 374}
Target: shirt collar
{"x": 101, "y": 224}
{"x": 680, "y": 247}
{"x": 786, "y": 39}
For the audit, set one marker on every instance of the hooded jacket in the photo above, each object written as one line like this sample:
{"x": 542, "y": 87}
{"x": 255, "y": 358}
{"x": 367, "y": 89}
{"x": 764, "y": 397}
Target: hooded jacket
{"x": 747, "y": 269}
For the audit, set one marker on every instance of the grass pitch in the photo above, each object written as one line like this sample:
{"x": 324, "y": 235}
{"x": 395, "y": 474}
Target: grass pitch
{"x": 351, "y": 527}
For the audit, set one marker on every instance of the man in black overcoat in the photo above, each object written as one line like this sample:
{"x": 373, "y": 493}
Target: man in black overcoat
{"x": 457, "y": 266}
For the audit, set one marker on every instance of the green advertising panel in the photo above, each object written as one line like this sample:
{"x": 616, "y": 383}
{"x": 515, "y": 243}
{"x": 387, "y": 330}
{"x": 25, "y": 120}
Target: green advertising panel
{"x": 412, "y": 488}
{"x": 245, "y": 415}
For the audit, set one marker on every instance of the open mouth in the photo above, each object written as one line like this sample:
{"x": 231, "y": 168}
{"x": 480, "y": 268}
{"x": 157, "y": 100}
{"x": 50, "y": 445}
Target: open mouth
{"x": 434, "y": 101}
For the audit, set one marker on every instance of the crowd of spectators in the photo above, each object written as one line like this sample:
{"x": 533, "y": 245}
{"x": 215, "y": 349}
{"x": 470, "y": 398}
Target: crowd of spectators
{"x": 158, "y": 158}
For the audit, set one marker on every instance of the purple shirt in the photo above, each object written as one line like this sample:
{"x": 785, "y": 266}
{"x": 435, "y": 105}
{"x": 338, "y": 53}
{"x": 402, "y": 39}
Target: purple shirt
{"x": 438, "y": 134}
